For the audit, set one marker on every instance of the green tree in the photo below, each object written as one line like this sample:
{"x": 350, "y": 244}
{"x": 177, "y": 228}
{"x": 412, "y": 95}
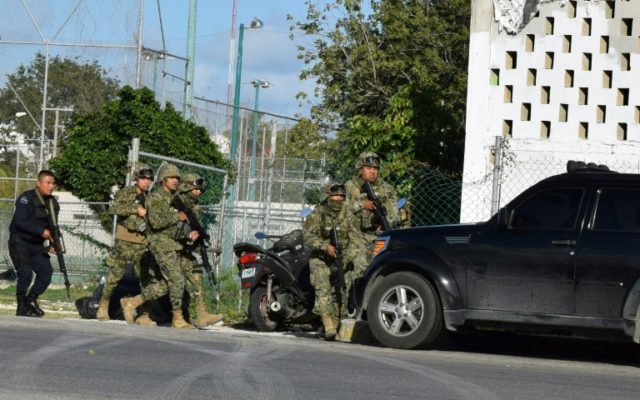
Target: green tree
{"x": 93, "y": 158}
{"x": 71, "y": 83}
{"x": 394, "y": 77}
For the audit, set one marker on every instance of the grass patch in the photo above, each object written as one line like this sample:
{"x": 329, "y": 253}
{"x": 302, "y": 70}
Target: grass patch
{"x": 52, "y": 294}
{"x": 54, "y": 301}
{"x": 233, "y": 302}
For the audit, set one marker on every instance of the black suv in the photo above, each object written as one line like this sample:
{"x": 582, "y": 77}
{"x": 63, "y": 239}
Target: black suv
{"x": 562, "y": 258}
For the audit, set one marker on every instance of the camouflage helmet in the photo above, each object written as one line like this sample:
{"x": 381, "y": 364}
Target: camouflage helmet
{"x": 143, "y": 171}
{"x": 190, "y": 182}
{"x": 167, "y": 170}
{"x": 368, "y": 158}
{"x": 334, "y": 188}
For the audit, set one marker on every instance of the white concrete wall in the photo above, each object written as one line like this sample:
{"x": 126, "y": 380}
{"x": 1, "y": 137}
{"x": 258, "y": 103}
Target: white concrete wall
{"x": 76, "y": 215}
{"x": 488, "y": 111}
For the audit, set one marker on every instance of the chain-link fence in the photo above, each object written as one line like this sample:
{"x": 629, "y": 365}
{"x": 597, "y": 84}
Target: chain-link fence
{"x": 271, "y": 199}
{"x": 41, "y": 35}
{"x": 526, "y": 168}
{"x": 85, "y": 240}
{"x": 283, "y": 187}
{"x": 516, "y": 165}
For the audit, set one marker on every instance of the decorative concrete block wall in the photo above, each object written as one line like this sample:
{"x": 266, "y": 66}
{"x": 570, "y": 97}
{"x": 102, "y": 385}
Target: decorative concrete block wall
{"x": 566, "y": 86}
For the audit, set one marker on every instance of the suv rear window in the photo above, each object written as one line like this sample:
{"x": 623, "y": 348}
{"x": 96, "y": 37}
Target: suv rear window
{"x": 618, "y": 210}
{"x": 549, "y": 209}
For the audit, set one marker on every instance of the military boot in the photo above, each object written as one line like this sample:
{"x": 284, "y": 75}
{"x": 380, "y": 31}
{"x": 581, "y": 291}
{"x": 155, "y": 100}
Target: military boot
{"x": 178, "y": 320}
{"x": 204, "y": 318}
{"x": 144, "y": 319}
{"x": 103, "y": 311}
{"x": 22, "y": 309}
{"x": 129, "y": 305}
{"x": 329, "y": 327}
{"x": 347, "y": 328}
{"x": 32, "y": 305}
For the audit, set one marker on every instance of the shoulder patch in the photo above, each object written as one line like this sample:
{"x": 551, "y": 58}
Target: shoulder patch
{"x": 23, "y": 200}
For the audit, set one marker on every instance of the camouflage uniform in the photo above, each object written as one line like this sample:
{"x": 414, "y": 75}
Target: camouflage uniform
{"x": 163, "y": 220}
{"x": 157, "y": 287}
{"x": 365, "y": 232}
{"x": 130, "y": 243}
{"x": 330, "y": 303}
{"x": 189, "y": 191}
{"x": 152, "y": 283}
{"x": 190, "y": 268}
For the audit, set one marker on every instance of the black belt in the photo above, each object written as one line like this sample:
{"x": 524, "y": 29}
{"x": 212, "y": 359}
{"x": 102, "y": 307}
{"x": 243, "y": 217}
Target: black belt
{"x": 17, "y": 237}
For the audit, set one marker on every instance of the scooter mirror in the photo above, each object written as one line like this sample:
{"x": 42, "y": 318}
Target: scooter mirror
{"x": 305, "y": 212}
{"x": 260, "y": 235}
{"x": 402, "y": 202}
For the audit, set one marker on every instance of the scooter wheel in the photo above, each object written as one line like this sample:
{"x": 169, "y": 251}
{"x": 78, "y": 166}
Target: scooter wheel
{"x": 263, "y": 319}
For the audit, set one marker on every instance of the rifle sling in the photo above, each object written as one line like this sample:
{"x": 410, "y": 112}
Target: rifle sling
{"x": 50, "y": 211}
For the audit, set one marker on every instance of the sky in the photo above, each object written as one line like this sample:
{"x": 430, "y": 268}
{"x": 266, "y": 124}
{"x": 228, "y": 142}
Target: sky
{"x": 268, "y": 53}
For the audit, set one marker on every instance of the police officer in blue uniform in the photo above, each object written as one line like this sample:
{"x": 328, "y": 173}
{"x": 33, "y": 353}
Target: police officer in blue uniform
{"x": 29, "y": 242}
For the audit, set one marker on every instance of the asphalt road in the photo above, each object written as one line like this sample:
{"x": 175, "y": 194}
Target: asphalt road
{"x": 75, "y": 359}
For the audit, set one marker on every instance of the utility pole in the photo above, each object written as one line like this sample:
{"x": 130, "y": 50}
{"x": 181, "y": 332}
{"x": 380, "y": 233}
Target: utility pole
{"x": 57, "y": 126}
{"x": 139, "y": 44}
{"x": 257, "y": 83}
{"x": 191, "y": 52}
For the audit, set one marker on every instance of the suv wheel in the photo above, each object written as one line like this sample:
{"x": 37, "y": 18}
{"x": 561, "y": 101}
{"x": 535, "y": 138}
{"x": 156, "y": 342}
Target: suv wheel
{"x": 404, "y": 311}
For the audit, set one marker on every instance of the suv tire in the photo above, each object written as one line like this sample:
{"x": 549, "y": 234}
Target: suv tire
{"x": 405, "y": 312}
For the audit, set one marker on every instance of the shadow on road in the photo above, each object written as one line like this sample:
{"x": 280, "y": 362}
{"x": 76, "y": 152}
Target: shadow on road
{"x": 499, "y": 343}
{"x": 546, "y": 348}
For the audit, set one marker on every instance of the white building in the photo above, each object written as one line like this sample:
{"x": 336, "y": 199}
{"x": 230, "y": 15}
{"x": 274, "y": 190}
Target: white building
{"x": 559, "y": 80}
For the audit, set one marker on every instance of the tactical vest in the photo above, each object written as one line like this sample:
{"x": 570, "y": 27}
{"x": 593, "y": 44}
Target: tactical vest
{"x": 39, "y": 216}
{"x": 340, "y": 221}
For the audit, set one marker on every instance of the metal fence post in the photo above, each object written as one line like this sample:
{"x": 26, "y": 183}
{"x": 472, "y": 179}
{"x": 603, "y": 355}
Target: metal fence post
{"x": 272, "y": 157}
{"x": 219, "y": 241}
{"x": 497, "y": 173}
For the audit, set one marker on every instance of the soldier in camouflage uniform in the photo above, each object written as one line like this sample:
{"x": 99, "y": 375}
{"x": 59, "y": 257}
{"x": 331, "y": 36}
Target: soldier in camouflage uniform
{"x": 130, "y": 243}
{"x": 362, "y": 208}
{"x": 331, "y": 301}
{"x": 163, "y": 220}
{"x": 190, "y": 189}
{"x": 365, "y": 228}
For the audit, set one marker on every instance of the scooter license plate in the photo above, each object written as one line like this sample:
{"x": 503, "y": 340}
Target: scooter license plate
{"x": 248, "y": 273}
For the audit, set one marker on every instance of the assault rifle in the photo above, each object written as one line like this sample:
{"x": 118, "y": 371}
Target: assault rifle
{"x": 203, "y": 237}
{"x": 140, "y": 199}
{"x": 58, "y": 246}
{"x": 380, "y": 211}
{"x": 339, "y": 284}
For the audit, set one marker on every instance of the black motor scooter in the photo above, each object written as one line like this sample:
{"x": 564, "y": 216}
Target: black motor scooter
{"x": 278, "y": 281}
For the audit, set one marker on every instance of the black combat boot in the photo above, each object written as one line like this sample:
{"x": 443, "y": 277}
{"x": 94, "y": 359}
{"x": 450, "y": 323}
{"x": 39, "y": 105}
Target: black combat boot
{"x": 22, "y": 310}
{"x": 33, "y": 306}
